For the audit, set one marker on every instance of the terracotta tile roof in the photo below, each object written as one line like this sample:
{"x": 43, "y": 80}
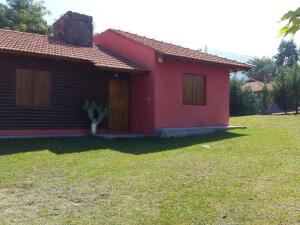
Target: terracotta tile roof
{"x": 178, "y": 51}
{"x": 34, "y": 44}
{"x": 256, "y": 86}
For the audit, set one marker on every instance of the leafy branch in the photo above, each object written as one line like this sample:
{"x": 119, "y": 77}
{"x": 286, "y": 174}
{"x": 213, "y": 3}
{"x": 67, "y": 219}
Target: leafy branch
{"x": 293, "y": 23}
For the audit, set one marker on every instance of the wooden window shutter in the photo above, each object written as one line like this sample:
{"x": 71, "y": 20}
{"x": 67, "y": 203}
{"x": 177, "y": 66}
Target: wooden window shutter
{"x": 187, "y": 89}
{"x": 194, "y": 90}
{"x": 24, "y": 88}
{"x": 41, "y": 89}
{"x": 198, "y": 90}
{"x": 32, "y": 88}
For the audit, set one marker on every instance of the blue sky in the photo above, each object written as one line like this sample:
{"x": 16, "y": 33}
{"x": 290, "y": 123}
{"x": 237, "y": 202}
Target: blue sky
{"x": 243, "y": 27}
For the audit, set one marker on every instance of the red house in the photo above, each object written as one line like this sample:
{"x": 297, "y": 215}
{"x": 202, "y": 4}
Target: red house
{"x": 148, "y": 84}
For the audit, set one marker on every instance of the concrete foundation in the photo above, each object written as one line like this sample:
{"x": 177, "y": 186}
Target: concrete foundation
{"x": 192, "y": 131}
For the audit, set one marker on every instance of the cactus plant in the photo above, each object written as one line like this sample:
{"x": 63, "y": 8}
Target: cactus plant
{"x": 95, "y": 113}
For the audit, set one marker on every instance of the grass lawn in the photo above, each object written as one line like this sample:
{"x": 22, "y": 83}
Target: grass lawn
{"x": 247, "y": 176}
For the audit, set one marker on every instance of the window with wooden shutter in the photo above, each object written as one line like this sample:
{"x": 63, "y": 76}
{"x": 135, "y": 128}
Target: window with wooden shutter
{"x": 24, "y": 88}
{"x": 194, "y": 88}
{"x": 32, "y": 88}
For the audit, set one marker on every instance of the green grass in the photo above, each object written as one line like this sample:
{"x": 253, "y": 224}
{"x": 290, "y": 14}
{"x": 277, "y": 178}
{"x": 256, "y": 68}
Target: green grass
{"x": 247, "y": 176}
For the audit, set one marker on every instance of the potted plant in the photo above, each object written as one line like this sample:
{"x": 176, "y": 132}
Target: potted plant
{"x": 96, "y": 114}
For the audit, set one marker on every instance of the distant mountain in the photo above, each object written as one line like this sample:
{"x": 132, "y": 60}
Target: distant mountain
{"x": 233, "y": 56}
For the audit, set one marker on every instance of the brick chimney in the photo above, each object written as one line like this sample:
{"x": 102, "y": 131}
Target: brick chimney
{"x": 75, "y": 29}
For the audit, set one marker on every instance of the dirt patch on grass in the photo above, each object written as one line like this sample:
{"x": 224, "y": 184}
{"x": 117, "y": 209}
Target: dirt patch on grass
{"x": 27, "y": 203}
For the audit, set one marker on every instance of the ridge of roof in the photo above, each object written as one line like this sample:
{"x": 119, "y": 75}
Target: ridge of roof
{"x": 177, "y": 50}
{"x": 22, "y": 32}
{"x": 162, "y": 42}
{"x": 37, "y": 44}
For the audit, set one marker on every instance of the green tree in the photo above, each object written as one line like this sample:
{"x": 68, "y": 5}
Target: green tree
{"x": 287, "y": 54}
{"x": 242, "y": 100}
{"x": 24, "y": 15}
{"x": 282, "y": 94}
{"x": 294, "y": 85}
{"x": 293, "y": 22}
{"x": 4, "y": 16}
{"x": 264, "y": 69}
{"x": 266, "y": 97}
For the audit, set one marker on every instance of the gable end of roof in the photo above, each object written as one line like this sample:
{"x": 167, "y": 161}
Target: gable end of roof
{"x": 169, "y": 49}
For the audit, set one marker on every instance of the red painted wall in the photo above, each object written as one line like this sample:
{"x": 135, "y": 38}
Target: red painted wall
{"x": 169, "y": 108}
{"x": 157, "y": 97}
{"x": 142, "y": 85}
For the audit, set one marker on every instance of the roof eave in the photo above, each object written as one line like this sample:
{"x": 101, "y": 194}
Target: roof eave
{"x": 118, "y": 69}
{"x": 241, "y": 68}
{"x": 35, "y": 54}
{"x": 234, "y": 67}
{"x": 57, "y": 57}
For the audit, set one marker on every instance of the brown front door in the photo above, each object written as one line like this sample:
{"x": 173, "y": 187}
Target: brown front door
{"x": 119, "y": 105}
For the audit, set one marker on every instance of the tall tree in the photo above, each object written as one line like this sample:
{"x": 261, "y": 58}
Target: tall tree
{"x": 282, "y": 94}
{"x": 24, "y": 15}
{"x": 287, "y": 54}
{"x": 4, "y": 16}
{"x": 266, "y": 97}
{"x": 294, "y": 79}
{"x": 264, "y": 69}
{"x": 293, "y": 22}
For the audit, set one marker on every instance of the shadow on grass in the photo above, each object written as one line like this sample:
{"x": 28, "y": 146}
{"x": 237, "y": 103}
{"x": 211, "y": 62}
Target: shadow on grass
{"x": 131, "y": 146}
{"x": 288, "y": 114}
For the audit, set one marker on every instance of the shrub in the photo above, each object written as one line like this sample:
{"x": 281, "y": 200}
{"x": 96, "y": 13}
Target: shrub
{"x": 242, "y": 100}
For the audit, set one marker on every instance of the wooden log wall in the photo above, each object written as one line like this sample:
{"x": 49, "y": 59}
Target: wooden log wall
{"x": 70, "y": 85}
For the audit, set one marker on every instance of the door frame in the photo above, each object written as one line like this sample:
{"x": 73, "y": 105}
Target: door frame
{"x": 128, "y": 80}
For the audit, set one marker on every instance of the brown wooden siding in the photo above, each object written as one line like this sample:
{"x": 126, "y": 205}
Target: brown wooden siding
{"x": 70, "y": 84}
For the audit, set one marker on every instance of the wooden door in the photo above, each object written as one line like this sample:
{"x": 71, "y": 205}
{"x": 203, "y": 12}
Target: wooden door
{"x": 119, "y": 105}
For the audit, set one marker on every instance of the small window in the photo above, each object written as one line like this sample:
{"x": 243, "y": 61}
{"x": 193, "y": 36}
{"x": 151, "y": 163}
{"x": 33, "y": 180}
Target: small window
{"x": 32, "y": 88}
{"x": 194, "y": 90}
